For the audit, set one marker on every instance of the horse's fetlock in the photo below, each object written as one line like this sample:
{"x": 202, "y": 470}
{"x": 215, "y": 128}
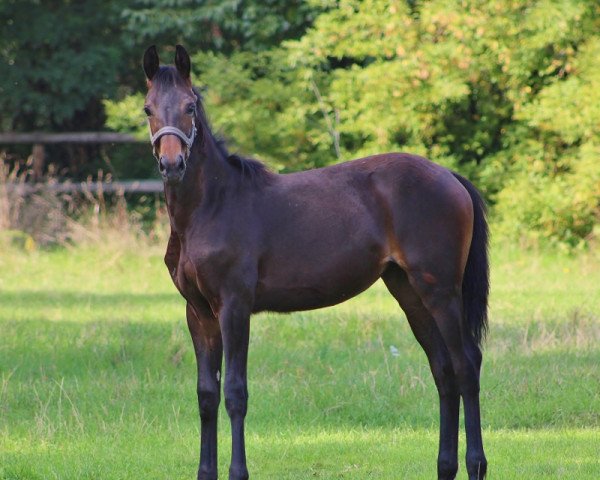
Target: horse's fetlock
{"x": 447, "y": 467}
{"x": 207, "y": 474}
{"x": 476, "y": 466}
{"x": 238, "y": 473}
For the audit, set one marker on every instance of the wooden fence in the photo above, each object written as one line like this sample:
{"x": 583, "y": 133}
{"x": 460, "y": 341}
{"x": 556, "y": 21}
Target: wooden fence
{"x": 45, "y": 138}
{"x": 125, "y": 186}
{"x": 39, "y": 139}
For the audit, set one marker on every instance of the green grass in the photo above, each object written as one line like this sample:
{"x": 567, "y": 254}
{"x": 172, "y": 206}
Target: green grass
{"x": 97, "y": 377}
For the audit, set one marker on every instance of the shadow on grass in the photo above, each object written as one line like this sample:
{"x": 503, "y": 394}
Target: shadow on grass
{"x": 311, "y": 380}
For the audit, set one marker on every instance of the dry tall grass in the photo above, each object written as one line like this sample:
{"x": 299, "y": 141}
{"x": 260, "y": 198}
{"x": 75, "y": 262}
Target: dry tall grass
{"x": 44, "y": 217}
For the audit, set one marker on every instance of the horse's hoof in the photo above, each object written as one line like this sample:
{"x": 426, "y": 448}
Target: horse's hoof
{"x": 447, "y": 468}
{"x": 477, "y": 469}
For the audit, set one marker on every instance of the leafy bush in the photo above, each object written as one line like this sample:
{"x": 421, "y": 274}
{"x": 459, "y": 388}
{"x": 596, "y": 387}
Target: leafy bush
{"x": 507, "y": 93}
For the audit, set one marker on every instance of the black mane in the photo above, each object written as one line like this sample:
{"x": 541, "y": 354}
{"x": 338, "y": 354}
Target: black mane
{"x": 248, "y": 167}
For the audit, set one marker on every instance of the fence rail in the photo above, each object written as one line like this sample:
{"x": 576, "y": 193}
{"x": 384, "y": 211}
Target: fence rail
{"x": 38, "y": 157}
{"x": 125, "y": 186}
{"x": 46, "y": 138}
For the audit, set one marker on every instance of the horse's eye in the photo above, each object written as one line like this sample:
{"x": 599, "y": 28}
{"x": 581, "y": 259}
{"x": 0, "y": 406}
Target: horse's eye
{"x": 147, "y": 111}
{"x": 190, "y": 109}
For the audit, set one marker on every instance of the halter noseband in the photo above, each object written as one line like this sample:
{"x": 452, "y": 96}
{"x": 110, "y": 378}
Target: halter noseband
{"x": 170, "y": 130}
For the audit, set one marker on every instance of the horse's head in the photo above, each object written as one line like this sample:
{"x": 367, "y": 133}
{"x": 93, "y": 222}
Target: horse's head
{"x": 171, "y": 109}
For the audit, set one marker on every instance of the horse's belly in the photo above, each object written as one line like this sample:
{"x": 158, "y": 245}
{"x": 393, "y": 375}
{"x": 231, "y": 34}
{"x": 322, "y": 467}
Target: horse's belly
{"x": 314, "y": 284}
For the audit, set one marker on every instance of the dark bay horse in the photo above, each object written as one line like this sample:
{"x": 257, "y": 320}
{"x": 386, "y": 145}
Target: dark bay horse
{"x": 245, "y": 240}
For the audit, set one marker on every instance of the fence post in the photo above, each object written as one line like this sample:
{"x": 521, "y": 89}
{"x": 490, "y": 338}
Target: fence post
{"x": 38, "y": 157}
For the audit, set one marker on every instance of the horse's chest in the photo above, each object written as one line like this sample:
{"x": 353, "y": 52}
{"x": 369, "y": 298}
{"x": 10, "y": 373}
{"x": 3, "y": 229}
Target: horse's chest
{"x": 202, "y": 271}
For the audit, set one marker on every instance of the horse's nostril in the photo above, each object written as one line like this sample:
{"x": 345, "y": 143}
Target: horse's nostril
{"x": 180, "y": 163}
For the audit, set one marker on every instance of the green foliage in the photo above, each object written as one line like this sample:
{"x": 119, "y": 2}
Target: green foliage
{"x": 218, "y": 25}
{"x": 559, "y": 208}
{"x": 59, "y": 58}
{"x": 64, "y": 61}
{"x": 503, "y": 91}
{"x": 266, "y": 108}
{"x": 127, "y": 115}
{"x": 554, "y": 195}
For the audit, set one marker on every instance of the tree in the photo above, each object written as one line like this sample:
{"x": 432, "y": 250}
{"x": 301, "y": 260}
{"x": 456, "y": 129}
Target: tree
{"x": 224, "y": 26}
{"x": 60, "y": 59}
{"x": 63, "y": 59}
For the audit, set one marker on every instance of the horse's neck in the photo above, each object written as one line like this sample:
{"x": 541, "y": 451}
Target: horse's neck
{"x": 206, "y": 171}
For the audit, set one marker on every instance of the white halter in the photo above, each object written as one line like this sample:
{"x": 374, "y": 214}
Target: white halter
{"x": 169, "y": 130}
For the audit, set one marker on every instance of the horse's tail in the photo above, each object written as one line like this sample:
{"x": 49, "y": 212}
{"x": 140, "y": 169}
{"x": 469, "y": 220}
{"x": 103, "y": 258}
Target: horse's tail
{"x": 476, "y": 279}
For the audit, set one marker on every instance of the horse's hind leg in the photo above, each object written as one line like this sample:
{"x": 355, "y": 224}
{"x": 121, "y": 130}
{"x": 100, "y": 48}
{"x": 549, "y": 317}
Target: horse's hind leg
{"x": 443, "y": 300}
{"x": 426, "y": 331}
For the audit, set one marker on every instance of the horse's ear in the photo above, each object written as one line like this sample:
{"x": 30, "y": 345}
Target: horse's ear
{"x": 182, "y": 62}
{"x": 151, "y": 62}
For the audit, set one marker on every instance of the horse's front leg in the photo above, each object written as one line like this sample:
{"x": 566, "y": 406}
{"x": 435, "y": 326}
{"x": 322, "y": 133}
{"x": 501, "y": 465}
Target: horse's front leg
{"x": 234, "y": 318}
{"x": 204, "y": 329}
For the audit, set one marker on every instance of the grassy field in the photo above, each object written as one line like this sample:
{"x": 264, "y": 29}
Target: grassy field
{"x": 97, "y": 377}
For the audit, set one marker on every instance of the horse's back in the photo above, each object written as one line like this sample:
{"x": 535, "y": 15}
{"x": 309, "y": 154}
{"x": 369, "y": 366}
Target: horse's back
{"x": 398, "y": 193}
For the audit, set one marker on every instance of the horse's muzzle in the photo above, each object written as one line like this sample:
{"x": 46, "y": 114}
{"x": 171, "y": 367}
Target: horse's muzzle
{"x": 172, "y": 170}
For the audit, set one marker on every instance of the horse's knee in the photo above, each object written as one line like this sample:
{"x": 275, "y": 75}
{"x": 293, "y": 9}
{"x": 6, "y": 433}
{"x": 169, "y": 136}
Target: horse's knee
{"x": 236, "y": 399}
{"x": 208, "y": 401}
